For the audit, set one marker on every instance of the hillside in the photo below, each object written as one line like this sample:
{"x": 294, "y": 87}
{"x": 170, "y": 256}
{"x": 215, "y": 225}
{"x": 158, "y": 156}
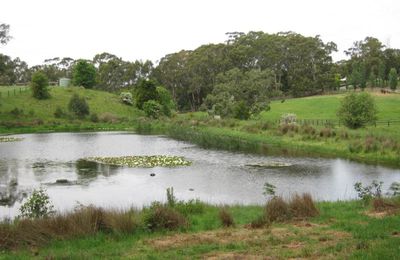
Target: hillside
{"x": 325, "y": 107}
{"x": 33, "y": 112}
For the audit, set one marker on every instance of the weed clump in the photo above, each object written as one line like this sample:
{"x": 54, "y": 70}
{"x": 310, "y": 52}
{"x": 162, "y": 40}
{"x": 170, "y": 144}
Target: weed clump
{"x": 159, "y": 217}
{"x": 298, "y": 207}
{"x": 277, "y": 209}
{"x": 303, "y": 206}
{"x": 226, "y": 217}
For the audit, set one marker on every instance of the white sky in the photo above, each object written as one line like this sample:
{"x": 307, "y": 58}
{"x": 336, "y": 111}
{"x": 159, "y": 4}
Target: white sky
{"x": 150, "y": 29}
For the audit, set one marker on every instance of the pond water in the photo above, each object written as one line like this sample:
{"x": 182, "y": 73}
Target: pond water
{"x": 217, "y": 177}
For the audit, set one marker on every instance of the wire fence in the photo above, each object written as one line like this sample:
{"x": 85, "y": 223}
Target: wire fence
{"x": 332, "y": 123}
{"x": 13, "y": 91}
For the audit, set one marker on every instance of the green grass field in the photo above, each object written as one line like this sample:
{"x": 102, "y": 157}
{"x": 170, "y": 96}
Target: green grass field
{"x": 325, "y": 107}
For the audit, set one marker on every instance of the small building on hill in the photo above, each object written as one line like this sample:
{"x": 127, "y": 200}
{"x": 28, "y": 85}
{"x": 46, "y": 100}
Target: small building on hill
{"x": 64, "y": 82}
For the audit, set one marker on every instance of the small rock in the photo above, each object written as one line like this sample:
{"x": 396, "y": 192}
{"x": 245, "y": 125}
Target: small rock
{"x": 191, "y": 189}
{"x": 152, "y": 174}
{"x": 62, "y": 181}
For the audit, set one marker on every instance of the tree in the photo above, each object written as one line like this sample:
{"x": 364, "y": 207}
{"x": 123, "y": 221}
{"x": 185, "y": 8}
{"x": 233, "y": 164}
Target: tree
{"x": 241, "y": 91}
{"x": 393, "y": 78}
{"x": 165, "y": 100}
{"x": 152, "y": 109}
{"x": 78, "y": 106}
{"x": 357, "y": 110}
{"x": 39, "y": 85}
{"x": 4, "y": 33}
{"x": 84, "y": 74}
{"x": 146, "y": 90}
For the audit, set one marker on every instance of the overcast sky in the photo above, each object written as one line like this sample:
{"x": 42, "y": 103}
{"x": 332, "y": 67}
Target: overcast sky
{"x": 150, "y": 29}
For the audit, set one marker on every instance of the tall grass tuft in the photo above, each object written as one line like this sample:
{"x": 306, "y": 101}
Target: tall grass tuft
{"x": 160, "y": 216}
{"x": 277, "y": 209}
{"x": 303, "y": 206}
{"x": 226, "y": 217}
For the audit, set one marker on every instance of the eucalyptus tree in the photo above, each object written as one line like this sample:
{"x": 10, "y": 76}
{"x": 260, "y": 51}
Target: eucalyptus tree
{"x": 4, "y": 33}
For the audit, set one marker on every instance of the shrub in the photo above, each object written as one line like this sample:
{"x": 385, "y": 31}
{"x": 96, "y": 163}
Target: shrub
{"x": 190, "y": 207}
{"x": 94, "y": 118}
{"x": 84, "y": 74}
{"x": 226, "y": 217}
{"x": 241, "y": 111}
{"x": 38, "y": 205}
{"x": 308, "y": 130}
{"x": 286, "y": 128}
{"x": 289, "y": 118}
{"x": 381, "y": 204}
{"x": 327, "y": 132}
{"x": 160, "y": 217}
{"x": 17, "y": 112}
{"x": 108, "y": 117}
{"x": 165, "y": 100}
{"x": 259, "y": 222}
{"x": 374, "y": 190}
{"x": 277, "y": 210}
{"x": 126, "y": 98}
{"x": 303, "y": 206}
{"x": 371, "y": 144}
{"x": 357, "y": 110}
{"x": 59, "y": 113}
{"x": 355, "y": 147}
{"x": 39, "y": 84}
{"x": 78, "y": 106}
{"x": 121, "y": 222}
{"x": 395, "y": 188}
{"x": 152, "y": 109}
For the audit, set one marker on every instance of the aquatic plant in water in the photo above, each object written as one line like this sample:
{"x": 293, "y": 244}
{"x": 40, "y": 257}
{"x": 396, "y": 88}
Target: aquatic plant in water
{"x": 142, "y": 161}
{"x": 4, "y": 139}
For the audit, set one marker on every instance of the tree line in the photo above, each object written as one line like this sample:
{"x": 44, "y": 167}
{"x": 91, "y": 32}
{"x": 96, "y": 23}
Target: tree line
{"x": 244, "y": 72}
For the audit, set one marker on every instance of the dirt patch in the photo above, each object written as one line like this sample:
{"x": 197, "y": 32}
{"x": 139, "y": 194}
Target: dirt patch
{"x": 381, "y": 214}
{"x": 209, "y": 237}
{"x": 289, "y": 238}
{"x": 234, "y": 256}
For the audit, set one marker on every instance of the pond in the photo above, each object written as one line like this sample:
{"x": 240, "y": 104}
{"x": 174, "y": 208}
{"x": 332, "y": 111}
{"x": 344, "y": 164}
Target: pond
{"x": 217, "y": 177}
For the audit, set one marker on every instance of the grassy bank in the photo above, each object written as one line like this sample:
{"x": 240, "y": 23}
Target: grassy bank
{"x": 21, "y": 113}
{"x": 342, "y": 230}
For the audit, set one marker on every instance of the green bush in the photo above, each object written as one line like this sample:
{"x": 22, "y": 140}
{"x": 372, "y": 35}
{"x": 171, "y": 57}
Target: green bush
{"x": 17, "y": 112}
{"x": 357, "y": 110}
{"x": 165, "y": 99}
{"x": 152, "y": 109}
{"x": 78, "y": 106}
{"x": 145, "y": 91}
{"x": 241, "y": 111}
{"x": 39, "y": 84}
{"x": 84, "y": 74}
{"x": 38, "y": 205}
{"x": 94, "y": 118}
{"x": 59, "y": 113}
{"x": 126, "y": 98}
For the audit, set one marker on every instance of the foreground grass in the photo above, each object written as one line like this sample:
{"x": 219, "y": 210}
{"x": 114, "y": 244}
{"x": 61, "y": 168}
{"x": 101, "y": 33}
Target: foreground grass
{"x": 342, "y": 231}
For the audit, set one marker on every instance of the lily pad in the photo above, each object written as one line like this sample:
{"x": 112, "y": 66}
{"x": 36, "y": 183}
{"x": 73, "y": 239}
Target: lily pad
{"x": 6, "y": 139}
{"x": 143, "y": 161}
